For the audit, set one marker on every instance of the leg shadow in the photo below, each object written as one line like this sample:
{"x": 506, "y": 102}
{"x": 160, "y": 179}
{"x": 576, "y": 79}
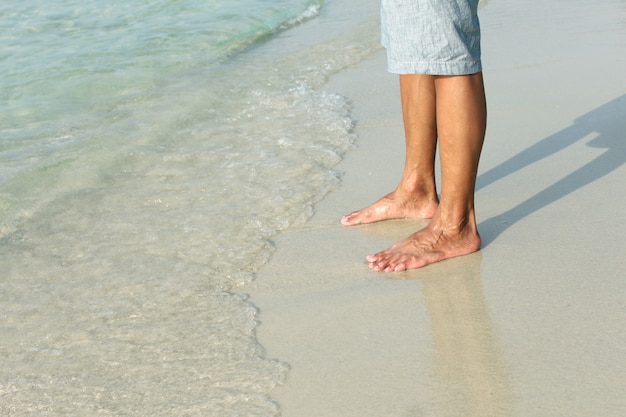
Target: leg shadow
{"x": 607, "y": 121}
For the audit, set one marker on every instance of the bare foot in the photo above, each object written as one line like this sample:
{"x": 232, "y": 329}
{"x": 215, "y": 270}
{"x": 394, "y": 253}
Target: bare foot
{"x": 429, "y": 245}
{"x": 393, "y": 206}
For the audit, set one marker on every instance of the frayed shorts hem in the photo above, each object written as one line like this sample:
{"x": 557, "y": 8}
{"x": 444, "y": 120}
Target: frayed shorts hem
{"x": 434, "y": 68}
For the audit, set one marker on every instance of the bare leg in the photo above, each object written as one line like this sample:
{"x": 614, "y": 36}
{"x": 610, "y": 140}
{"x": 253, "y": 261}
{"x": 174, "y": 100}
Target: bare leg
{"x": 416, "y": 195}
{"x": 461, "y": 123}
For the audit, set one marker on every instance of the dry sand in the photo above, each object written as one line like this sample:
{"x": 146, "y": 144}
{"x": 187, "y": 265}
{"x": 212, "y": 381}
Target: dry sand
{"x": 532, "y": 325}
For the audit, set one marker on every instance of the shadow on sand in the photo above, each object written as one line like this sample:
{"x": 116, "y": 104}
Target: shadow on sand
{"x": 607, "y": 121}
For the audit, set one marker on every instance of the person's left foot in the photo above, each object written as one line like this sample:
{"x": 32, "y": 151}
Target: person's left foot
{"x": 427, "y": 246}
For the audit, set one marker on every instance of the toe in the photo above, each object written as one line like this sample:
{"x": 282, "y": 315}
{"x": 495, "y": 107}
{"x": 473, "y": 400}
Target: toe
{"x": 351, "y": 219}
{"x": 371, "y": 258}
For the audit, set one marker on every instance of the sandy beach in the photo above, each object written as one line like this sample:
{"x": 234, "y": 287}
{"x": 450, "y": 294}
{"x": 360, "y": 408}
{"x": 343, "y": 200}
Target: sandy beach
{"x": 532, "y": 325}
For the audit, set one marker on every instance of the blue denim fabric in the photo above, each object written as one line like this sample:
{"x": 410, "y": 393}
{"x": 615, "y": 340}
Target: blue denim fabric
{"x": 440, "y": 37}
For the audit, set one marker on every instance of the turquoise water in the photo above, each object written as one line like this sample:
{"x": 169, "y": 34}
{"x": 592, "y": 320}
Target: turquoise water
{"x": 69, "y": 64}
{"x": 148, "y": 153}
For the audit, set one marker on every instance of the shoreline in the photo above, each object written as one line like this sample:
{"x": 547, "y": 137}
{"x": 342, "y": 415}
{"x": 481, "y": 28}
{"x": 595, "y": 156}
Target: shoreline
{"x": 530, "y": 325}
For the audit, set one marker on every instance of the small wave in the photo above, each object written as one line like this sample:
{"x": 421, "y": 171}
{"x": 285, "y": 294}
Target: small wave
{"x": 266, "y": 26}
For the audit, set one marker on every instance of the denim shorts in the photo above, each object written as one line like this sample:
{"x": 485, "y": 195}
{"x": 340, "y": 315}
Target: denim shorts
{"x": 439, "y": 37}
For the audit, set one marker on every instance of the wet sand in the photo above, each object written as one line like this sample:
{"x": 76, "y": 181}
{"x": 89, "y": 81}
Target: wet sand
{"x": 532, "y": 325}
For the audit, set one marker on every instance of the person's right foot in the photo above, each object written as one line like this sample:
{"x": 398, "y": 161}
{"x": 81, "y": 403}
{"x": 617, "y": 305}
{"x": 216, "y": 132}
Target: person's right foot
{"x": 393, "y": 206}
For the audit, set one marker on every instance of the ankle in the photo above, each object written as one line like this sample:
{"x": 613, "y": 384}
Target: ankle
{"x": 418, "y": 189}
{"x": 455, "y": 223}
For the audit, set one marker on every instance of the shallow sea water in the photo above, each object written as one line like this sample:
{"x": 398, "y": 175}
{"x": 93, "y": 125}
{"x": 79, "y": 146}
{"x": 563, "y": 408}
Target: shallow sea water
{"x": 147, "y": 158}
